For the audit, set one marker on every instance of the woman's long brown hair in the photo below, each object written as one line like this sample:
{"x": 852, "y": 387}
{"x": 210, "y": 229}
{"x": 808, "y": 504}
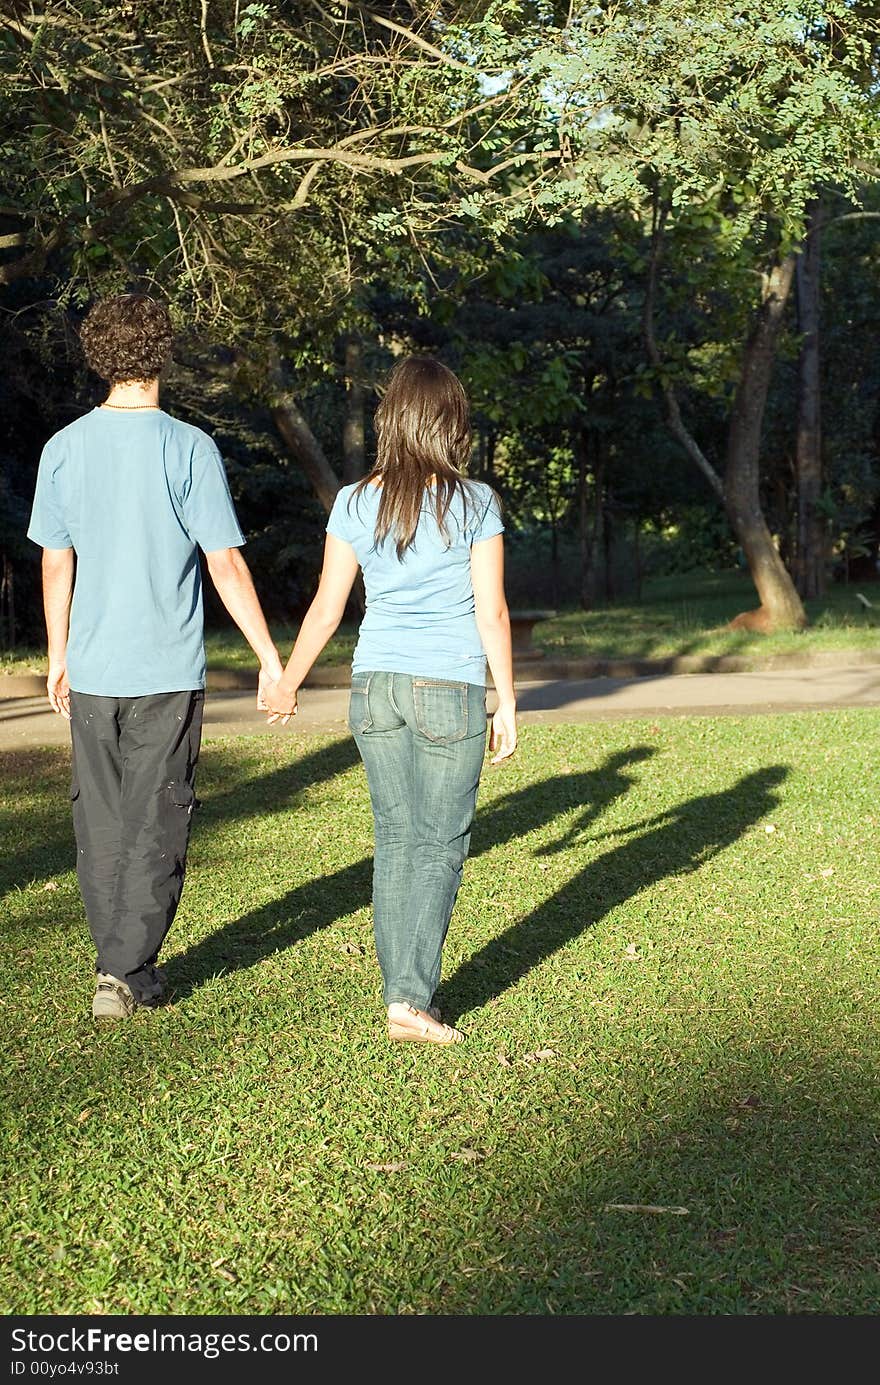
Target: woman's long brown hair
{"x": 423, "y": 432}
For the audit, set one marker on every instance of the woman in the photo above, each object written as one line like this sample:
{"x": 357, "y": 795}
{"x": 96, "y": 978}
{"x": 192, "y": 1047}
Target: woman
{"x": 429, "y": 543}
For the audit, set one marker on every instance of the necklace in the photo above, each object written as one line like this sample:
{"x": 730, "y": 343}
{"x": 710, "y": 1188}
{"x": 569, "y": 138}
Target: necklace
{"x": 126, "y": 407}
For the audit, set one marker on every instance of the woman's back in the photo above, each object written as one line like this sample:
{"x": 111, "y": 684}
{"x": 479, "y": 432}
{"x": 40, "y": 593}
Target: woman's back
{"x": 420, "y": 606}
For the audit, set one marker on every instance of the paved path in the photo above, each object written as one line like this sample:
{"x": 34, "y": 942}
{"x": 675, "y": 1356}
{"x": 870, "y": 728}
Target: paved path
{"x": 28, "y": 721}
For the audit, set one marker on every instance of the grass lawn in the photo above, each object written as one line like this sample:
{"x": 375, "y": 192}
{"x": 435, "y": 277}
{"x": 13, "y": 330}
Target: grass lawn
{"x": 677, "y": 615}
{"x": 688, "y": 615}
{"x": 665, "y": 956}
{"x": 225, "y": 648}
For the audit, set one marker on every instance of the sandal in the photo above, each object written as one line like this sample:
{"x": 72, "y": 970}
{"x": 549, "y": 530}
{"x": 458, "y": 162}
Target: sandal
{"x": 406, "y": 1024}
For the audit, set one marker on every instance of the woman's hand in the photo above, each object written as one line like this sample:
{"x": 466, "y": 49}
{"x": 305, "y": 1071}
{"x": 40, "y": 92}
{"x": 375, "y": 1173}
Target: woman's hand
{"x": 502, "y": 738}
{"x": 279, "y": 703}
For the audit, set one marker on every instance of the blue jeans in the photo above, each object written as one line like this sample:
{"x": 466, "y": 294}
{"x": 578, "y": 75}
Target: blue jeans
{"x": 422, "y": 741}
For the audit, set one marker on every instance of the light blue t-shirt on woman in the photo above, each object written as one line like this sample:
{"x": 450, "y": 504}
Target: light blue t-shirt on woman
{"x": 420, "y": 609}
{"x": 136, "y": 494}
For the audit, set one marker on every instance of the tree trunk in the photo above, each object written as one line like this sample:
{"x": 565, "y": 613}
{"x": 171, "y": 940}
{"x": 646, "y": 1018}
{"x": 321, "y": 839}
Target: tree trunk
{"x": 353, "y": 429}
{"x": 810, "y": 561}
{"x": 489, "y": 460}
{"x": 585, "y": 539}
{"x": 781, "y": 607}
{"x": 608, "y": 551}
{"x": 299, "y": 438}
{"x": 7, "y": 604}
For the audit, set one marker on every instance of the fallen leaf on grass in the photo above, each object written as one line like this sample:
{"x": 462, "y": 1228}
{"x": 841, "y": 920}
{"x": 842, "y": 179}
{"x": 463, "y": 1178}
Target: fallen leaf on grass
{"x": 83, "y": 1116}
{"x": 386, "y": 1168}
{"x": 467, "y": 1156}
{"x": 51, "y": 885}
{"x": 829, "y": 870}
{"x": 644, "y": 1207}
{"x": 539, "y": 1054}
{"x": 632, "y": 951}
{"x": 353, "y": 949}
{"x": 503, "y": 1059}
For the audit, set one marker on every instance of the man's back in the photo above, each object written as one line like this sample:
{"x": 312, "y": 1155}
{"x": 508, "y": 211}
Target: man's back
{"x": 134, "y": 492}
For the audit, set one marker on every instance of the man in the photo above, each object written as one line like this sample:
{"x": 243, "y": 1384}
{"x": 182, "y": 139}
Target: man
{"x": 134, "y": 494}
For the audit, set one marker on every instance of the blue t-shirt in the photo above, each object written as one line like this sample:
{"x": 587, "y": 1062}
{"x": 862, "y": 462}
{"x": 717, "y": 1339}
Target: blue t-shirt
{"x": 420, "y": 609}
{"x": 134, "y": 494}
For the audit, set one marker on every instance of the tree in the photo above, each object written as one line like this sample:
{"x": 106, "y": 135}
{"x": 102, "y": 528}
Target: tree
{"x": 257, "y": 164}
{"x": 740, "y": 116}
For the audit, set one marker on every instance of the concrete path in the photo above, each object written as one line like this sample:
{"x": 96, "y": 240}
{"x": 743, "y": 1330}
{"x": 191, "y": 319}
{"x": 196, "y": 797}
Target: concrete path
{"x": 28, "y": 721}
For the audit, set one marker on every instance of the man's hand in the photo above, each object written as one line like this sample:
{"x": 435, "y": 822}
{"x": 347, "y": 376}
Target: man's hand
{"x": 269, "y": 673}
{"x": 503, "y": 735}
{"x": 58, "y": 689}
{"x": 279, "y": 703}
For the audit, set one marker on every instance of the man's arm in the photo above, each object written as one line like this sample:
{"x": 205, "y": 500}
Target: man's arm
{"x": 57, "y": 595}
{"x": 231, "y": 576}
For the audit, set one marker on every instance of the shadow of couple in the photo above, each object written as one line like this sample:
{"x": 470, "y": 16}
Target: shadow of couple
{"x": 641, "y": 854}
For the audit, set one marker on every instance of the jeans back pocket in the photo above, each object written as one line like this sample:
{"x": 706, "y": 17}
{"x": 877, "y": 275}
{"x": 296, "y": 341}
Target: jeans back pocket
{"x": 359, "y": 718}
{"x": 441, "y": 709}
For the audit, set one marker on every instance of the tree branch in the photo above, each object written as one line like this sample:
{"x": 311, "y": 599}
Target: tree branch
{"x": 674, "y": 419}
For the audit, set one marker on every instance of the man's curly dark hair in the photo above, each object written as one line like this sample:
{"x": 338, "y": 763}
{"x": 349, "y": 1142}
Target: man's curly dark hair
{"x": 127, "y": 338}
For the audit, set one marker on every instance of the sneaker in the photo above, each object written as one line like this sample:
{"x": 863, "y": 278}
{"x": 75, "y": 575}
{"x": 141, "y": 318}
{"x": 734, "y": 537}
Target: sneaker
{"x": 113, "y": 999}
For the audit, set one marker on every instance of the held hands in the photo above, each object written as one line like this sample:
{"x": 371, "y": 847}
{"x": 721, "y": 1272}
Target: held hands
{"x": 270, "y": 672}
{"x": 502, "y": 738}
{"x": 279, "y": 703}
{"x": 58, "y": 690}
{"x": 271, "y": 697}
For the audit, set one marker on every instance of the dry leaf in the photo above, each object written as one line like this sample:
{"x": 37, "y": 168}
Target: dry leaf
{"x": 632, "y": 951}
{"x": 829, "y": 870}
{"x": 644, "y": 1207}
{"x": 353, "y": 949}
{"x": 539, "y": 1054}
{"x": 467, "y": 1156}
{"x": 83, "y": 1116}
{"x": 228, "y": 1275}
{"x": 51, "y": 885}
{"x": 503, "y": 1059}
{"x": 386, "y": 1168}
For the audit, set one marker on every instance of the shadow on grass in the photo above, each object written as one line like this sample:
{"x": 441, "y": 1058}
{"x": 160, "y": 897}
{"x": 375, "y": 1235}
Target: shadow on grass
{"x": 671, "y": 844}
{"x": 770, "y": 1151}
{"x": 320, "y": 902}
{"x": 47, "y": 845}
{"x": 35, "y": 829}
{"x": 228, "y": 796}
{"x": 677, "y": 841}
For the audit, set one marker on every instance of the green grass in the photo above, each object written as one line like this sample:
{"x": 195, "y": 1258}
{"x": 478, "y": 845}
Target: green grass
{"x": 677, "y": 616}
{"x": 665, "y": 955}
{"x": 225, "y": 648}
{"x": 688, "y": 615}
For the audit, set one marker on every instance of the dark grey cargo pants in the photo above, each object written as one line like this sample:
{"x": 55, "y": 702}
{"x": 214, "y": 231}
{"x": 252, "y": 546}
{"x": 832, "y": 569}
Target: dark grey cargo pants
{"x": 134, "y": 761}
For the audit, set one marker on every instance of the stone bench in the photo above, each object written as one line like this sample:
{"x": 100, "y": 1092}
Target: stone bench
{"x": 521, "y": 625}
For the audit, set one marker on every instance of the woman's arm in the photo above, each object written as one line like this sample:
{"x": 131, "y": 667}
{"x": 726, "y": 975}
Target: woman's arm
{"x": 319, "y": 623}
{"x": 493, "y": 623}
